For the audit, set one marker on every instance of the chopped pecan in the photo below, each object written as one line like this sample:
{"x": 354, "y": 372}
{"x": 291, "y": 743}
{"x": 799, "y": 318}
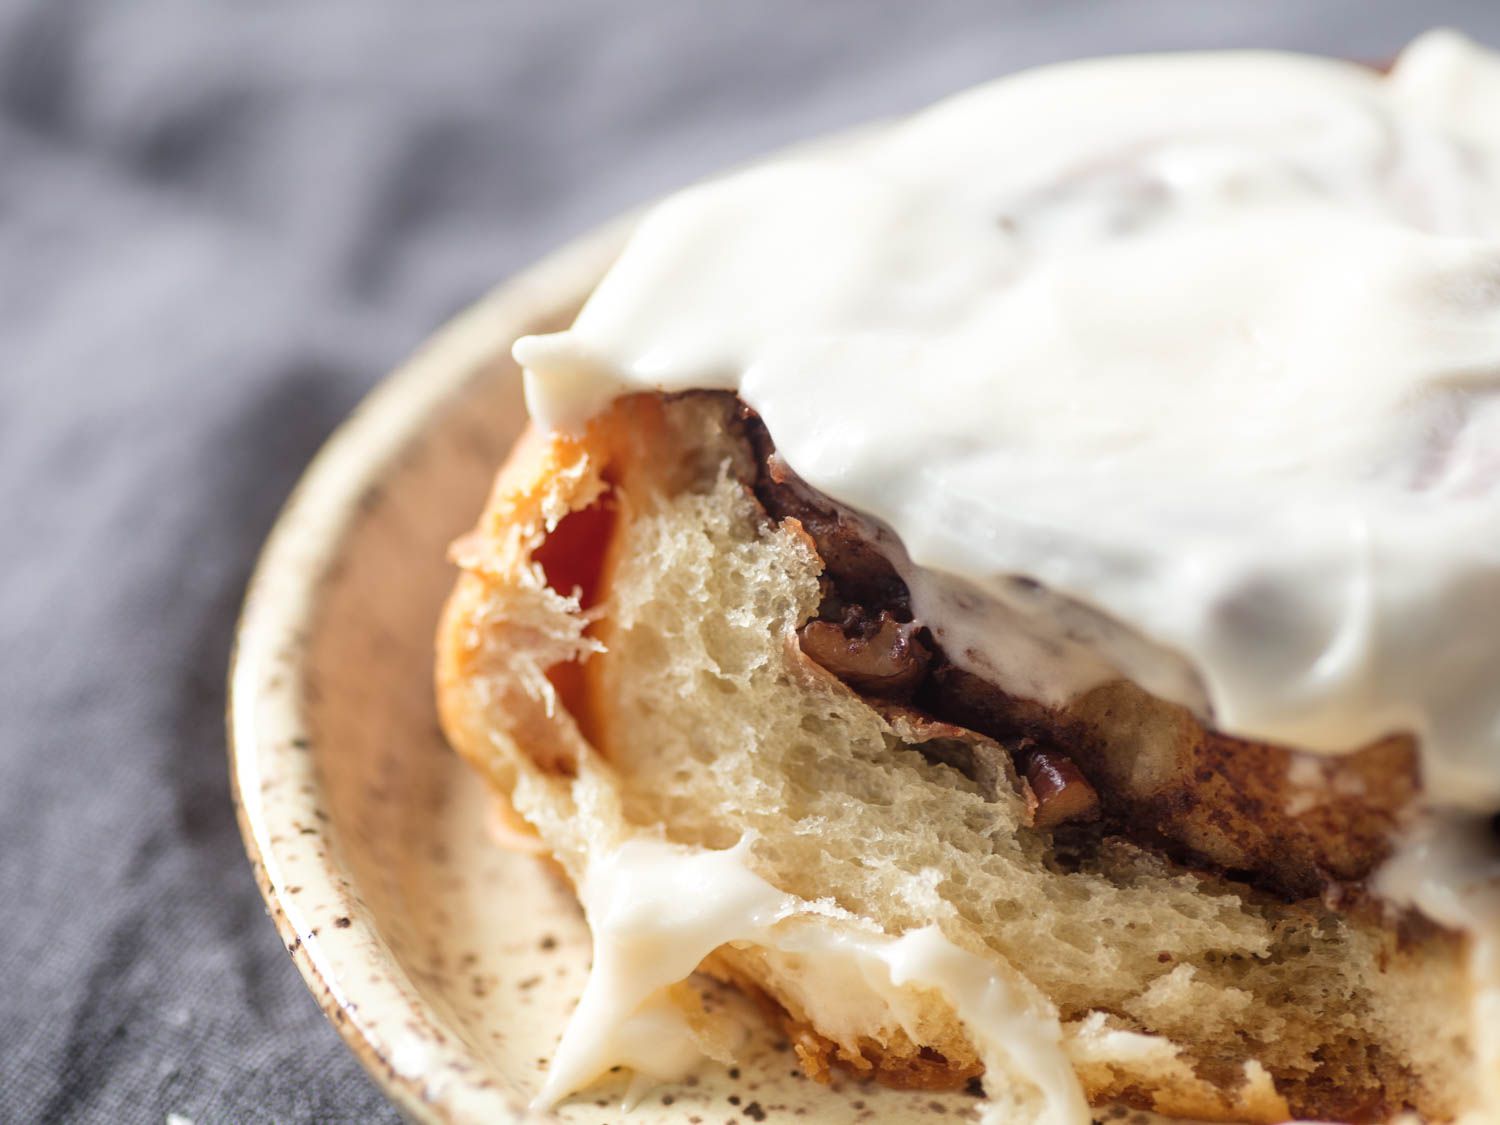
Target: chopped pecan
{"x": 1060, "y": 792}
{"x": 881, "y": 656}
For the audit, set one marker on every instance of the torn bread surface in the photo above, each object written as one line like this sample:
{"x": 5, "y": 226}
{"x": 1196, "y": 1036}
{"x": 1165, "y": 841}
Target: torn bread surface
{"x": 622, "y": 660}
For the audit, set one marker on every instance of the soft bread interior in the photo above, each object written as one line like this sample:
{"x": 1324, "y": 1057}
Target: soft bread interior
{"x": 664, "y": 689}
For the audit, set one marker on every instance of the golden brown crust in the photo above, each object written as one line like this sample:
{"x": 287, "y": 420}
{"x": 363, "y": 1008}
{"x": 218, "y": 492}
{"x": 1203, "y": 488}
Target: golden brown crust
{"x": 546, "y": 479}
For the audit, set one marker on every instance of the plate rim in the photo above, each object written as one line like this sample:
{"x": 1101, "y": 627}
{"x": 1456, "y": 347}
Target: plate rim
{"x": 267, "y": 658}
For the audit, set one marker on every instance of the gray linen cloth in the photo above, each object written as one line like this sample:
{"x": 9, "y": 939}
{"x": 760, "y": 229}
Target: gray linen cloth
{"x": 219, "y": 225}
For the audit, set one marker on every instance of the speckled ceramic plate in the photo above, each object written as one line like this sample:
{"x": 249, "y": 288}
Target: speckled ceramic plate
{"x": 448, "y": 964}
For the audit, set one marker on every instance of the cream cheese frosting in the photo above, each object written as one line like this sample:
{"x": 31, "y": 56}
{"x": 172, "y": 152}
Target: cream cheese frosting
{"x": 1182, "y": 368}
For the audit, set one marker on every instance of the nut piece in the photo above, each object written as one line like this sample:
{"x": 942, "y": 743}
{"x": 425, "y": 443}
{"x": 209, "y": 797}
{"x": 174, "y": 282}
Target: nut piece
{"x": 1060, "y": 791}
{"x": 881, "y": 656}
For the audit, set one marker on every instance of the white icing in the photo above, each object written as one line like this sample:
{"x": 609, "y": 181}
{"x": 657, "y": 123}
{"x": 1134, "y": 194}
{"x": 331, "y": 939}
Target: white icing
{"x": 1207, "y": 345}
{"x": 657, "y": 910}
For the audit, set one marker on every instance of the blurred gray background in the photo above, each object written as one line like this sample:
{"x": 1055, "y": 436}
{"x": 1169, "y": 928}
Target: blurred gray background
{"x": 220, "y": 224}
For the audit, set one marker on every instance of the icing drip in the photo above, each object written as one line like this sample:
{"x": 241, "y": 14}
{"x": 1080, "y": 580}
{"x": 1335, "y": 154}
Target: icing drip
{"x": 657, "y": 910}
